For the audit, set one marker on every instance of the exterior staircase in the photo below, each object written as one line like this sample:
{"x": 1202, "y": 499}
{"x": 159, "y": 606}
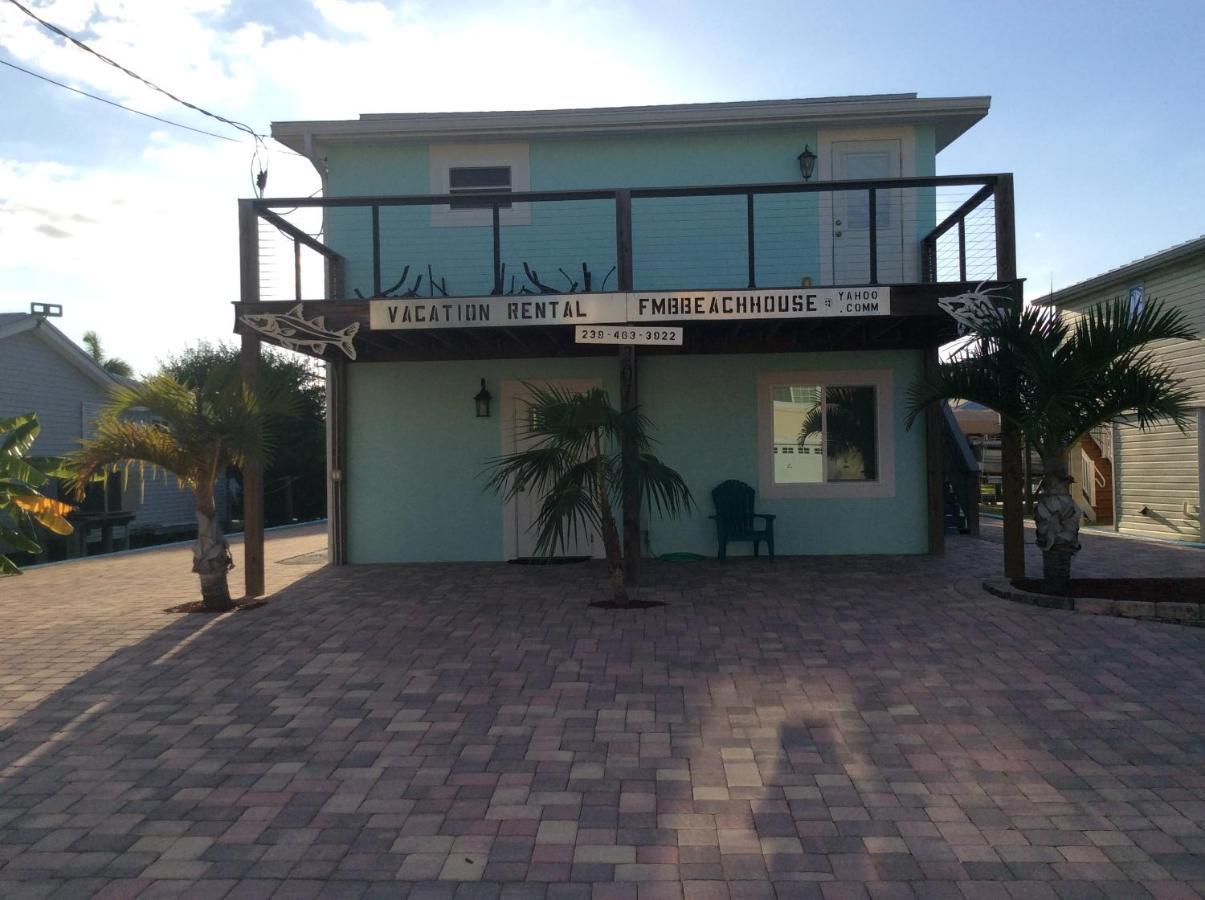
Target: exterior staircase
{"x": 1094, "y": 477}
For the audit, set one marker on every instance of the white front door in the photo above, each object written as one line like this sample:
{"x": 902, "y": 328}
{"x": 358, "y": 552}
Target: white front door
{"x": 851, "y": 213}
{"x": 520, "y": 513}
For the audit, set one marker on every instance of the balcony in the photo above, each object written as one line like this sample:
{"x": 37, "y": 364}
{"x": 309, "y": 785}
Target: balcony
{"x": 925, "y": 237}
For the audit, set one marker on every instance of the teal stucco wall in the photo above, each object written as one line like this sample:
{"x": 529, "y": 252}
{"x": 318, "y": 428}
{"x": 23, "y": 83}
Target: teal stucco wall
{"x": 695, "y": 242}
{"x": 416, "y": 453}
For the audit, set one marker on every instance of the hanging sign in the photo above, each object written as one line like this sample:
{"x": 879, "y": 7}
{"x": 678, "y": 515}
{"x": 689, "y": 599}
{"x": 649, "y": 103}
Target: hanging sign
{"x": 629, "y": 307}
{"x": 645, "y": 335}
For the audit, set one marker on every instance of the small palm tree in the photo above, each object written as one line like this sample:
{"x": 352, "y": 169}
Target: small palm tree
{"x": 22, "y": 504}
{"x": 576, "y": 462}
{"x": 111, "y": 364}
{"x": 193, "y": 433}
{"x": 1056, "y": 381}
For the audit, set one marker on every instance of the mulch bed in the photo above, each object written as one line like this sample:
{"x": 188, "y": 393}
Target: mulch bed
{"x": 1151, "y": 590}
{"x": 198, "y": 607}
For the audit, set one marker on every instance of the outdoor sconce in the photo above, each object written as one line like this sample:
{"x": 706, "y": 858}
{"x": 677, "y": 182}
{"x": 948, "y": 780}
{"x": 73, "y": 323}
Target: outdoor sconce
{"x": 807, "y": 163}
{"x": 482, "y": 400}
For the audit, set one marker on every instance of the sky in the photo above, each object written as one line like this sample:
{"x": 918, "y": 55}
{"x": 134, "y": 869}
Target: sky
{"x": 130, "y": 224}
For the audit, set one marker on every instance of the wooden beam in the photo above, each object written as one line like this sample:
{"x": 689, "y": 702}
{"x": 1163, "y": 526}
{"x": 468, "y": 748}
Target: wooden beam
{"x": 336, "y": 429}
{"x": 934, "y": 459}
{"x": 631, "y": 492}
{"x": 1012, "y": 479}
{"x": 253, "y": 474}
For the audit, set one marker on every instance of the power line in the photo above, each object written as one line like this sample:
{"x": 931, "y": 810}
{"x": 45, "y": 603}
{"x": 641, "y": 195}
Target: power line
{"x": 137, "y": 112}
{"x": 56, "y": 30}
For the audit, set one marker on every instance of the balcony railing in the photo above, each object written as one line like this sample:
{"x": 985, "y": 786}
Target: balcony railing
{"x": 887, "y": 231}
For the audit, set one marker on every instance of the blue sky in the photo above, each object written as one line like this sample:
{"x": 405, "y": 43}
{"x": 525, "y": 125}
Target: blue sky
{"x": 1097, "y": 108}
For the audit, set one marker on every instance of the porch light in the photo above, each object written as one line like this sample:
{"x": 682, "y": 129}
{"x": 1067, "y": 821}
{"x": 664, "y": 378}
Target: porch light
{"x": 807, "y": 163}
{"x": 482, "y": 400}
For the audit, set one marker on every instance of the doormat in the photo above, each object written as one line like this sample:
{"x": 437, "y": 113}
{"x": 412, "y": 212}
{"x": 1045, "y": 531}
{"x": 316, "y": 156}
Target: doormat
{"x": 546, "y": 560}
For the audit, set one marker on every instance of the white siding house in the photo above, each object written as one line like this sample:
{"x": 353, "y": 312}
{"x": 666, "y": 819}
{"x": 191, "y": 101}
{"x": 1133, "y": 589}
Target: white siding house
{"x": 1157, "y": 473}
{"x": 42, "y": 371}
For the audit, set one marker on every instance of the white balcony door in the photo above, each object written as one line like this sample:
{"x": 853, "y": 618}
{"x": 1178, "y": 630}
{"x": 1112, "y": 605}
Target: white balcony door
{"x": 519, "y": 515}
{"x": 858, "y": 159}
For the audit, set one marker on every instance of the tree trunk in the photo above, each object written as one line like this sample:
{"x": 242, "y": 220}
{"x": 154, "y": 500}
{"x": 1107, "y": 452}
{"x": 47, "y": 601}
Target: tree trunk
{"x": 211, "y": 559}
{"x": 1057, "y": 518}
{"x": 613, "y": 549}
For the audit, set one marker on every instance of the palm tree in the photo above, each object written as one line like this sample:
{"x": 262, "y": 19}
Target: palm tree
{"x": 112, "y": 365}
{"x": 22, "y": 504}
{"x": 575, "y": 461}
{"x": 1056, "y": 380}
{"x": 193, "y": 433}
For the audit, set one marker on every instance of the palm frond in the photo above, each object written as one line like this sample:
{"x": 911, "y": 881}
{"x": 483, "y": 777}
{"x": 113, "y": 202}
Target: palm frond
{"x": 19, "y": 434}
{"x": 569, "y": 510}
{"x": 118, "y": 442}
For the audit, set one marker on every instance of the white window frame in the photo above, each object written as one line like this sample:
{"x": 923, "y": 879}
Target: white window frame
{"x": 445, "y": 157}
{"x": 882, "y": 380}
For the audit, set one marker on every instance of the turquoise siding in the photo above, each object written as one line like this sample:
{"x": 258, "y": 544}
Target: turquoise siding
{"x": 679, "y": 243}
{"x": 416, "y": 453}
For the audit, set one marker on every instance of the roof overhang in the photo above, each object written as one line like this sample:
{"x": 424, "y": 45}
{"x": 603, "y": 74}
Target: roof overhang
{"x": 950, "y": 116}
{"x": 1122, "y": 274}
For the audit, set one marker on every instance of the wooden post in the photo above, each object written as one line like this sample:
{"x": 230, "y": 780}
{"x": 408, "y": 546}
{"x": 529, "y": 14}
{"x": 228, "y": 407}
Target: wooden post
{"x": 1010, "y": 437}
{"x": 336, "y": 454}
{"x": 253, "y": 474}
{"x": 628, "y": 391}
{"x": 934, "y": 453}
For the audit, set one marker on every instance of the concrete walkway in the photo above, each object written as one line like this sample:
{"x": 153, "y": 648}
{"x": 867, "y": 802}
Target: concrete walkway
{"x": 817, "y": 727}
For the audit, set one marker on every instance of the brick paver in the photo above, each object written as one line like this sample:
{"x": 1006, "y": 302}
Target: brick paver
{"x": 803, "y": 728}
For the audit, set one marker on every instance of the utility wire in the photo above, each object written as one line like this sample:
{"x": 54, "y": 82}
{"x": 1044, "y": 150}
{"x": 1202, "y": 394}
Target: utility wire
{"x": 56, "y": 30}
{"x": 137, "y": 112}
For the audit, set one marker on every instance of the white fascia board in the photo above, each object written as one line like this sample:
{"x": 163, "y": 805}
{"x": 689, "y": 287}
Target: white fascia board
{"x": 951, "y": 116}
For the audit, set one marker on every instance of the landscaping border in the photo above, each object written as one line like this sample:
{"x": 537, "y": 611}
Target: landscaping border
{"x": 1175, "y": 613}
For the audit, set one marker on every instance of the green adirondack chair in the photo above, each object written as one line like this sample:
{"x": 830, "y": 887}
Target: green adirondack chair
{"x": 735, "y": 519}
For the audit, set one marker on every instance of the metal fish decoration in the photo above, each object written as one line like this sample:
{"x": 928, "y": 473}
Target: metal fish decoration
{"x": 294, "y": 331}
{"x": 974, "y": 308}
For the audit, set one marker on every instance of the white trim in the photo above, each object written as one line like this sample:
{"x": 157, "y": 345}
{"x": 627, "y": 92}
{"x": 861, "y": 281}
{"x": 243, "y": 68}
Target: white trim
{"x": 907, "y": 212}
{"x": 444, "y": 157}
{"x": 950, "y": 117}
{"x": 510, "y": 391}
{"x": 883, "y": 382}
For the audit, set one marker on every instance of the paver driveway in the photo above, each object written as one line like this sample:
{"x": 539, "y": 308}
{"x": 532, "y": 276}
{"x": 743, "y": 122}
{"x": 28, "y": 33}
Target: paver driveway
{"x": 811, "y": 727}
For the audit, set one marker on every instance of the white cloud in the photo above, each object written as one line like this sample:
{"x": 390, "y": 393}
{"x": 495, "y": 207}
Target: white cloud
{"x": 146, "y": 252}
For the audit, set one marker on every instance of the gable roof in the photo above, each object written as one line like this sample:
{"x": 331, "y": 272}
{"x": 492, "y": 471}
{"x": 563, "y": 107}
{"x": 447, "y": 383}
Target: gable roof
{"x": 950, "y": 116}
{"x": 1130, "y": 270}
{"x": 12, "y": 324}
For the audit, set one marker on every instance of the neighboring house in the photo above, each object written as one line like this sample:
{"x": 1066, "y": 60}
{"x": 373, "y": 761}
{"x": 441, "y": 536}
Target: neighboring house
{"x": 1150, "y": 481}
{"x": 801, "y": 246}
{"x": 43, "y": 371}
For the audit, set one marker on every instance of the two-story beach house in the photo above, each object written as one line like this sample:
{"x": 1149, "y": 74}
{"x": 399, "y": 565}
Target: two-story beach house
{"x": 727, "y": 267}
{"x": 1148, "y": 483}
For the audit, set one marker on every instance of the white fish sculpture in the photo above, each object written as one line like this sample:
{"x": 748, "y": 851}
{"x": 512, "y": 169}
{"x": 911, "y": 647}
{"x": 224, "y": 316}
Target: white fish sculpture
{"x": 294, "y": 331}
{"x": 974, "y": 308}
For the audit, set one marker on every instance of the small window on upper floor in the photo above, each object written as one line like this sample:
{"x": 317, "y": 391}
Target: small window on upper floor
{"x": 467, "y": 181}
{"x": 1137, "y": 297}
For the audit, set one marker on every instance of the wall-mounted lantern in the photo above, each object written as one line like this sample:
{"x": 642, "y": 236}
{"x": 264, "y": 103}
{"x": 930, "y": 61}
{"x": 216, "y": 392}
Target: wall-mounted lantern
{"x": 807, "y": 163}
{"x": 482, "y": 400}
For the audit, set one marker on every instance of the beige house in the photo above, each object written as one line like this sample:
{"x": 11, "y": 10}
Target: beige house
{"x": 1152, "y": 477}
